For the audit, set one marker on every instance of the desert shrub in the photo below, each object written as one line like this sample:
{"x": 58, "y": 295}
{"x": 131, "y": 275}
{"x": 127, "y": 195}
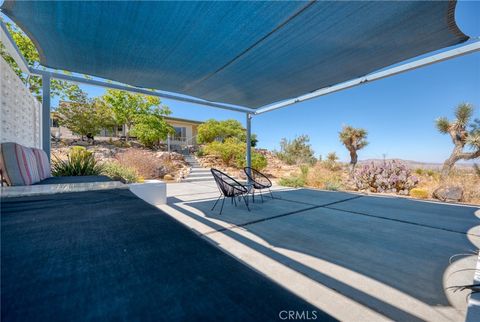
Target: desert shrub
{"x": 427, "y": 172}
{"x": 119, "y": 172}
{"x": 293, "y": 181}
{"x": 146, "y": 164}
{"x": 79, "y": 162}
{"x": 322, "y": 177}
{"x": 228, "y": 151}
{"x": 296, "y": 181}
{"x": 391, "y": 176}
{"x": 121, "y": 144}
{"x": 296, "y": 151}
{"x": 419, "y": 193}
{"x": 232, "y": 153}
{"x": 304, "y": 170}
{"x": 200, "y": 153}
{"x": 259, "y": 161}
{"x": 331, "y": 162}
{"x": 333, "y": 184}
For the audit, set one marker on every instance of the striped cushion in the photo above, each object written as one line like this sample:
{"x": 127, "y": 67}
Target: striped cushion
{"x": 42, "y": 163}
{"x": 19, "y": 165}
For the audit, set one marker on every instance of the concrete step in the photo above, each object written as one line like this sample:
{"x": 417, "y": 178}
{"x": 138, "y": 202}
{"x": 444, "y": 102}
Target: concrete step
{"x": 199, "y": 170}
{"x": 199, "y": 179}
{"x": 199, "y": 175}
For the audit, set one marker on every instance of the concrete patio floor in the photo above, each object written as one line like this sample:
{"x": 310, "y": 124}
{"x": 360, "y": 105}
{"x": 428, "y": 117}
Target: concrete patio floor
{"x": 356, "y": 257}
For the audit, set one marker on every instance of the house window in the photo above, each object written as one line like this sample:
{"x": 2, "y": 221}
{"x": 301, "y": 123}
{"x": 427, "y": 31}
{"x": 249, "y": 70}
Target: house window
{"x": 55, "y": 123}
{"x": 180, "y": 133}
{"x": 120, "y": 128}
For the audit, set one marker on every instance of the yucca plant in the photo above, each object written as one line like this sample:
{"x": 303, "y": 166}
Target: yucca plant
{"x": 466, "y": 142}
{"x": 354, "y": 139}
{"x": 79, "y": 162}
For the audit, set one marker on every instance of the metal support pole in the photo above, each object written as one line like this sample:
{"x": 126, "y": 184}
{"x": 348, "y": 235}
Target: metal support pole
{"x": 249, "y": 142}
{"x": 46, "y": 114}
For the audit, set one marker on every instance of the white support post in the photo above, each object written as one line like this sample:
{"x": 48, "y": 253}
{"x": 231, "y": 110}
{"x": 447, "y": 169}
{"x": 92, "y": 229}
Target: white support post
{"x": 46, "y": 114}
{"x": 168, "y": 143}
{"x": 249, "y": 142}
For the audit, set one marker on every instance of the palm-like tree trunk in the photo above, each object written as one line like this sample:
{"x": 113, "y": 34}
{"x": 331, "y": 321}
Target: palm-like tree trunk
{"x": 353, "y": 159}
{"x": 457, "y": 155}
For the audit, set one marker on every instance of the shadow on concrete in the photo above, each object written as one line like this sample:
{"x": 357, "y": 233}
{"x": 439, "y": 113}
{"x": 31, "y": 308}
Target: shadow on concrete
{"x": 402, "y": 243}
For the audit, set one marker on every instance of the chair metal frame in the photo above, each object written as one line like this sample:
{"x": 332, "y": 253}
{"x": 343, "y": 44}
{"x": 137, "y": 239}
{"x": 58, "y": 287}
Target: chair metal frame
{"x": 259, "y": 182}
{"x": 229, "y": 188}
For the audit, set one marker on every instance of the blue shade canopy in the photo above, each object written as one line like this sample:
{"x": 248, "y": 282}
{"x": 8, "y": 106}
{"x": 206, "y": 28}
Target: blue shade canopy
{"x": 242, "y": 53}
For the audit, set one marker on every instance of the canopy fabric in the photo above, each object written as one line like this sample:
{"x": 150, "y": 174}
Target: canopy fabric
{"x": 242, "y": 53}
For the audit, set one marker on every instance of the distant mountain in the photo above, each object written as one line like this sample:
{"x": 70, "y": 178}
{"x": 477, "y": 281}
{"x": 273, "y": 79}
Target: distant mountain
{"x": 416, "y": 164}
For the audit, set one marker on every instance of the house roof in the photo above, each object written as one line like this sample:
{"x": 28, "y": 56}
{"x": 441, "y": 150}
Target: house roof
{"x": 247, "y": 54}
{"x": 169, "y": 118}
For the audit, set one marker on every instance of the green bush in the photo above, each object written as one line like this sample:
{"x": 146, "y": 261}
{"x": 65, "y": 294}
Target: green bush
{"x": 259, "y": 161}
{"x": 294, "y": 181}
{"x": 296, "y": 151}
{"x": 333, "y": 183}
{"x": 232, "y": 152}
{"x": 228, "y": 151}
{"x": 118, "y": 172}
{"x": 200, "y": 153}
{"x": 79, "y": 162}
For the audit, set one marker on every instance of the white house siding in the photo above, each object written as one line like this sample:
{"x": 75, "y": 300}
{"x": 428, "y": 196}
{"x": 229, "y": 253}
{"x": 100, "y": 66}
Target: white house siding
{"x": 190, "y": 132}
{"x": 20, "y": 115}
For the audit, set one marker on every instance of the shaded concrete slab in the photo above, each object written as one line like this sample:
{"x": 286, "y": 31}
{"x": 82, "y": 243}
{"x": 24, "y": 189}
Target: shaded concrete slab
{"x": 450, "y": 217}
{"x": 372, "y": 259}
{"x": 238, "y": 215}
{"x": 313, "y": 197}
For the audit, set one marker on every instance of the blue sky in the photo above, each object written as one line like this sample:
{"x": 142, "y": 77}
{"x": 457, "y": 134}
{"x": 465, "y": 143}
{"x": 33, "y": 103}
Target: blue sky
{"x": 398, "y": 112}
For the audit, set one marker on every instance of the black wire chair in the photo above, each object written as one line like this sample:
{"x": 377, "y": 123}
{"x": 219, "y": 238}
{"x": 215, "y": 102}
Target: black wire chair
{"x": 229, "y": 188}
{"x": 259, "y": 181}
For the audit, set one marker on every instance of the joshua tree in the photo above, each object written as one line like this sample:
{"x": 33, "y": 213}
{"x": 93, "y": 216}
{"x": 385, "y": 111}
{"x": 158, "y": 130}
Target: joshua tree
{"x": 354, "y": 140}
{"x": 466, "y": 142}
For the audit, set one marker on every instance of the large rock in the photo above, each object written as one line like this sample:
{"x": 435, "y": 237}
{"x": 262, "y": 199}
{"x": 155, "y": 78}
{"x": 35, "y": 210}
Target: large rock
{"x": 449, "y": 193}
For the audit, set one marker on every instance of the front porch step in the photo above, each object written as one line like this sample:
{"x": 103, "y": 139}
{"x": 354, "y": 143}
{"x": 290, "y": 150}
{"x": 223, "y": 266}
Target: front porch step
{"x": 200, "y": 175}
{"x": 197, "y": 172}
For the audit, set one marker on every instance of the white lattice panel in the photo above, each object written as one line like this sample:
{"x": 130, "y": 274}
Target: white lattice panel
{"x": 19, "y": 110}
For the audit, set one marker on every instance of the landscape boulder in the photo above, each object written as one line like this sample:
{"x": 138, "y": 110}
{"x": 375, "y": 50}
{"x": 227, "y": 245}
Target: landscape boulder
{"x": 449, "y": 193}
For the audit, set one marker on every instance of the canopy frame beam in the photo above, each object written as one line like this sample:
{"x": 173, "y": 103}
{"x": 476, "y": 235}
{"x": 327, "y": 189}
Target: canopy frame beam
{"x": 12, "y": 48}
{"x": 436, "y": 58}
{"x": 102, "y": 83}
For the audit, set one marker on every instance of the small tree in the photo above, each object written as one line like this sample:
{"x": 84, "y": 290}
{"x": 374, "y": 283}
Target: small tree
{"x": 150, "y": 128}
{"x": 331, "y": 161}
{"x": 296, "y": 151}
{"x": 354, "y": 139}
{"x": 213, "y": 130}
{"x": 87, "y": 116}
{"x": 127, "y": 107}
{"x": 466, "y": 142}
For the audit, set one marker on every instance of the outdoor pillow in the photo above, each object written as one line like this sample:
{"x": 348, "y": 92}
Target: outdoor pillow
{"x": 18, "y": 164}
{"x": 42, "y": 163}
